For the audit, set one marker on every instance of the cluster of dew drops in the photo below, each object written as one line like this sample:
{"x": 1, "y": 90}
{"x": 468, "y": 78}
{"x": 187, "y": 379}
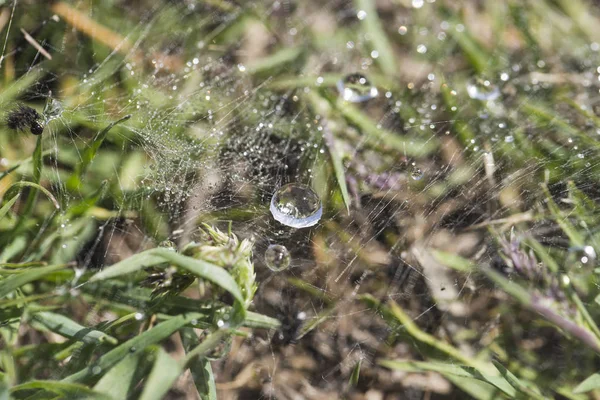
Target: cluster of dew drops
{"x": 298, "y": 206}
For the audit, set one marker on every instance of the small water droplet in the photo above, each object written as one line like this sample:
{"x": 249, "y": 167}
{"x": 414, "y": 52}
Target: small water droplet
{"x": 585, "y": 254}
{"x": 139, "y": 316}
{"x": 296, "y": 205}
{"x": 277, "y": 257}
{"x": 416, "y": 174}
{"x": 356, "y": 88}
{"x": 96, "y": 370}
{"x": 481, "y": 89}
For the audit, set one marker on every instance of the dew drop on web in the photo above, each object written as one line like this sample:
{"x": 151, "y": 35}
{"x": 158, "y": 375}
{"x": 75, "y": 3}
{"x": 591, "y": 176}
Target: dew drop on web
{"x": 296, "y": 205}
{"x": 277, "y": 257}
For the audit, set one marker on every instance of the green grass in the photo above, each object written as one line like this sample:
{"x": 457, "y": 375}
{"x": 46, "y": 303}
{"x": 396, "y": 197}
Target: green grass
{"x": 131, "y": 230}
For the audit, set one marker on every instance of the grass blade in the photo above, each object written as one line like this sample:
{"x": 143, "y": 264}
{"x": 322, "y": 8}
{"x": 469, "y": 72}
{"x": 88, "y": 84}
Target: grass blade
{"x": 381, "y": 44}
{"x": 164, "y": 373}
{"x": 338, "y": 167}
{"x": 201, "y": 269}
{"x": 517, "y": 383}
{"x": 137, "y": 344}
{"x": 355, "y": 373}
{"x": 16, "y": 281}
{"x": 37, "y": 187}
{"x": 65, "y": 390}
{"x": 592, "y": 382}
{"x": 451, "y": 369}
{"x": 200, "y": 369}
{"x": 411, "y": 147}
{"x": 118, "y": 381}
{"x": 8, "y": 205}
{"x": 276, "y": 60}
{"x": 66, "y": 327}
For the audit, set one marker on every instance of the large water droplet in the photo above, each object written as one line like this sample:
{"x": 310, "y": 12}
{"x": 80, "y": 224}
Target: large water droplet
{"x": 481, "y": 89}
{"x": 277, "y": 257}
{"x": 296, "y": 205}
{"x": 356, "y": 88}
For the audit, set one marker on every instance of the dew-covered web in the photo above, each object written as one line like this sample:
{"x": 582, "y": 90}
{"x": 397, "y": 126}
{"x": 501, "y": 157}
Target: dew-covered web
{"x": 229, "y": 102}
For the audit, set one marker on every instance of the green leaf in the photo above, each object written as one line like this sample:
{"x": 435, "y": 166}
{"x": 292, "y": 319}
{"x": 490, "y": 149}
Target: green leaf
{"x": 138, "y": 343}
{"x": 119, "y": 380}
{"x": 477, "y": 389}
{"x": 66, "y": 327}
{"x": 8, "y": 205}
{"x": 164, "y": 373}
{"x": 134, "y": 263}
{"x": 65, "y": 390}
{"x": 202, "y": 269}
{"x": 451, "y": 369}
{"x": 517, "y": 383}
{"x": 592, "y": 382}
{"x": 16, "y": 281}
{"x": 200, "y": 369}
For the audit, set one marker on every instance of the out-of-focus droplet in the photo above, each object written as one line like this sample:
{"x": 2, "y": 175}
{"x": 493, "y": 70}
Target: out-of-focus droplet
{"x": 277, "y": 257}
{"x": 481, "y": 89}
{"x": 356, "y": 88}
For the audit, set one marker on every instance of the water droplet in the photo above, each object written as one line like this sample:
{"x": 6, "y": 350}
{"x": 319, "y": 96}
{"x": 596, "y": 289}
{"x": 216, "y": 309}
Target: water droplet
{"x": 96, "y": 370}
{"x": 132, "y": 349}
{"x": 481, "y": 89}
{"x": 416, "y": 174}
{"x": 139, "y": 316}
{"x": 277, "y": 257}
{"x": 356, "y": 88}
{"x": 296, "y": 205}
{"x": 585, "y": 254}
{"x": 53, "y": 110}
